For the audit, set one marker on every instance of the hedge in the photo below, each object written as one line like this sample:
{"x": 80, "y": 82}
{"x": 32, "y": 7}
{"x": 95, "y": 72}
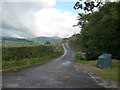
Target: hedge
{"x": 26, "y": 52}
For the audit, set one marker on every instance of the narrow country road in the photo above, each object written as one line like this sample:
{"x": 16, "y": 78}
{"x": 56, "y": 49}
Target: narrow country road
{"x": 57, "y": 73}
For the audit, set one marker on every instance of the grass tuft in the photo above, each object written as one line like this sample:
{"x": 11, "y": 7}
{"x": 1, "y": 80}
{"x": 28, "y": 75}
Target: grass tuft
{"x": 80, "y": 60}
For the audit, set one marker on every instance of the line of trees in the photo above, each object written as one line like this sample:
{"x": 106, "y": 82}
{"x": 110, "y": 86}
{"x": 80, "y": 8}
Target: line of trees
{"x": 100, "y": 31}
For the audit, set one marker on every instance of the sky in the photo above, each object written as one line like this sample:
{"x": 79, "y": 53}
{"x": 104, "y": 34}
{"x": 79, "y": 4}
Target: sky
{"x": 35, "y": 18}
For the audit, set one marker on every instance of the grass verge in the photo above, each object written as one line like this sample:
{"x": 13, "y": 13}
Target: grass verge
{"x": 111, "y": 73}
{"x": 80, "y": 60}
{"x": 20, "y": 63}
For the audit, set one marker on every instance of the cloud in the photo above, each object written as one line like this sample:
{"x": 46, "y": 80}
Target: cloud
{"x": 31, "y": 19}
{"x": 41, "y": 3}
{"x": 15, "y": 19}
{"x": 54, "y": 22}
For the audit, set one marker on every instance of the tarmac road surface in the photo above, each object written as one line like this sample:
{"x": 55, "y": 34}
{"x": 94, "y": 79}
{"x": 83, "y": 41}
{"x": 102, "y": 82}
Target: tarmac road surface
{"x": 58, "y": 73}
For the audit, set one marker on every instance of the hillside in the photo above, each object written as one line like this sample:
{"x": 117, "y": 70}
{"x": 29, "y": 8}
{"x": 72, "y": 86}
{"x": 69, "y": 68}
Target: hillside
{"x": 42, "y": 40}
{"x": 13, "y": 41}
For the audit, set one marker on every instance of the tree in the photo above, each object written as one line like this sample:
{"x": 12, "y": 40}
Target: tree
{"x": 100, "y": 34}
{"x": 88, "y": 5}
{"x": 47, "y": 42}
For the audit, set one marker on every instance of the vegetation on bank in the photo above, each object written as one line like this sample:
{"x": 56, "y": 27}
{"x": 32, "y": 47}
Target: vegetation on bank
{"x": 75, "y": 42}
{"x": 29, "y": 55}
{"x": 80, "y": 60}
{"x": 26, "y": 52}
{"x": 26, "y": 62}
{"x": 100, "y": 32}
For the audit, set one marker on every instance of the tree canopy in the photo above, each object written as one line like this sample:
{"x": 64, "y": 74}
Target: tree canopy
{"x": 100, "y": 31}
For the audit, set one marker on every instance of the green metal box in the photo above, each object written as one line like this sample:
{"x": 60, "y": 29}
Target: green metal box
{"x": 104, "y": 61}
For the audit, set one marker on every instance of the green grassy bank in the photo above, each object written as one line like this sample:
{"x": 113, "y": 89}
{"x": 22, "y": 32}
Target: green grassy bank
{"x": 26, "y": 62}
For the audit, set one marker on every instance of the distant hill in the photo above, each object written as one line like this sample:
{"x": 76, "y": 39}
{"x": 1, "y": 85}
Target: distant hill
{"x": 13, "y": 41}
{"x": 42, "y": 40}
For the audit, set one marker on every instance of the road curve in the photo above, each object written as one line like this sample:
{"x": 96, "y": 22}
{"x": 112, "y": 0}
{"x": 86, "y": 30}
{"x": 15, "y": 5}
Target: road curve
{"x": 58, "y": 73}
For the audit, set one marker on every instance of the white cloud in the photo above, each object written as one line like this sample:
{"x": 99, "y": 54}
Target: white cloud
{"x": 43, "y": 3}
{"x": 23, "y": 19}
{"x": 54, "y": 22}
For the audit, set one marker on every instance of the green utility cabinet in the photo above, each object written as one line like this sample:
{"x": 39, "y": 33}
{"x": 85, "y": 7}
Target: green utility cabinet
{"x": 104, "y": 61}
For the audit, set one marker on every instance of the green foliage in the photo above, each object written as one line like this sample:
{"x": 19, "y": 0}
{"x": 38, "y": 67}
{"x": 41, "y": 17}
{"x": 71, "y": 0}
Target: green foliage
{"x": 25, "y": 52}
{"x": 101, "y": 33}
{"x": 75, "y": 42}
